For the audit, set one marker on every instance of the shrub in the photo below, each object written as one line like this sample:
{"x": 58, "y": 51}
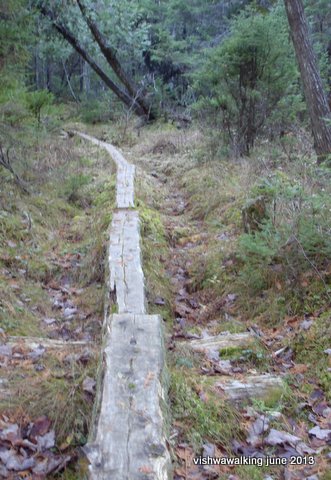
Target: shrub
{"x": 249, "y": 82}
{"x": 294, "y": 239}
{"x": 74, "y": 185}
{"x": 95, "y": 111}
{"x": 37, "y": 101}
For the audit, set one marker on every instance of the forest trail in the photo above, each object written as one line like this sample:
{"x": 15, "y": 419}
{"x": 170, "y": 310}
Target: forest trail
{"x": 129, "y": 440}
{"x": 221, "y": 357}
{"x": 237, "y": 386}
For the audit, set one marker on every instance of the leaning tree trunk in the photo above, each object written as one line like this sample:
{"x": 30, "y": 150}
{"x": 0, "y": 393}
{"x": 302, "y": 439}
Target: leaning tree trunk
{"x": 111, "y": 57}
{"x": 316, "y": 100}
{"x": 123, "y": 95}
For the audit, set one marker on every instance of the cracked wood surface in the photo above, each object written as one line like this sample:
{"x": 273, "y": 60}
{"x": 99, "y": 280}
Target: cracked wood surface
{"x": 130, "y": 444}
{"x": 129, "y": 441}
{"x": 126, "y": 274}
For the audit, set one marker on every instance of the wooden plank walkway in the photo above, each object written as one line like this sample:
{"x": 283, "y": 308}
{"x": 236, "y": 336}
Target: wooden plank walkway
{"x": 130, "y": 442}
{"x": 126, "y": 275}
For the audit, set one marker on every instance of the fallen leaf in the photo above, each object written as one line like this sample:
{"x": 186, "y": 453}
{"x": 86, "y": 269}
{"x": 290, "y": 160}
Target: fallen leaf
{"x": 298, "y": 368}
{"x": 159, "y": 301}
{"x": 148, "y": 379}
{"x": 256, "y": 429}
{"x": 146, "y": 469}
{"x": 11, "y": 433}
{"x": 40, "y": 427}
{"x": 320, "y": 433}
{"x": 46, "y": 441}
{"x": 279, "y": 437}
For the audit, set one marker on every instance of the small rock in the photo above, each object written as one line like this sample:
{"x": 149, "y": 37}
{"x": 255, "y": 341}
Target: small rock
{"x": 209, "y": 450}
{"x": 231, "y": 297}
{"x": 37, "y": 352}
{"x": 39, "y": 367}
{"x": 224, "y": 367}
{"x": 257, "y": 428}
{"x": 222, "y": 236}
{"x": 194, "y": 304}
{"x": 89, "y": 385}
{"x": 49, "y": 321}
{"x": 306, "y": 324}
{"x": 279, "y": 437}
{"x": 6, "y": 350}
{"x": 57, "y": 304}
{"x": 328, "y": 351}
{"x": 159, "y": 301}
{"x": 69, "y": 312}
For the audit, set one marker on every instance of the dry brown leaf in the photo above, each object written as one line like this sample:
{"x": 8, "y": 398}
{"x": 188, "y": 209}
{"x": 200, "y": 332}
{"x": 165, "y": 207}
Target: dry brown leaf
{"x": 299, "y": 368}
{"x": 149, "y": 377}
{"x": 146, "y": 469}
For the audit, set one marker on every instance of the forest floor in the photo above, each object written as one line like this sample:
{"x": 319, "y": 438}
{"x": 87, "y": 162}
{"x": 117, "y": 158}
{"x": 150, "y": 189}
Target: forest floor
{"x": 198, "y": 277}
{"x": 259, "y": 383}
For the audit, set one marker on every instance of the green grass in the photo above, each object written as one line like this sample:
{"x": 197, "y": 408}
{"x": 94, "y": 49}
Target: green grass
{"x": 57, "y": 233}
{"x": 309, "y": 349}
{"x": 201, "y": 420}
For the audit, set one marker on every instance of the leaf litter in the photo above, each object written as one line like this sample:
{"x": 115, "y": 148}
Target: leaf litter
{"x": 28, "y": 449}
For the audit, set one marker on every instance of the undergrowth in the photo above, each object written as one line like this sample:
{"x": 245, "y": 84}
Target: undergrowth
{"x": 54, "y": 238}
{"x": 201, "y": 420}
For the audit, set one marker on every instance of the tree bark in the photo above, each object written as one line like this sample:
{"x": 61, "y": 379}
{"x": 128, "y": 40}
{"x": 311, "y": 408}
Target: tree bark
{"x": 73, "y": 41}
{"x": 316, "y": 100}
{"x": 111, "y": 57}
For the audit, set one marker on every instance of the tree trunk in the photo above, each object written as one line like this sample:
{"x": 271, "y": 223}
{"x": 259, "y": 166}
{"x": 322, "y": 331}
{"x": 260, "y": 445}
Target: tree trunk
{"x": 73, "y": 41}
{"x": 110, "y": 55}
{"x": 316, "y": 100}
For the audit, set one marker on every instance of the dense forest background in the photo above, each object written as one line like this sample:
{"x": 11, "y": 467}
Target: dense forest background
{"x": 231, "y": 64}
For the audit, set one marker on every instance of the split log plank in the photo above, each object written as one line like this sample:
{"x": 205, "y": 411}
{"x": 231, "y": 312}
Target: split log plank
{"x": 223, "y": 341}
{"x": 130, "y": 440}
{"x": 252, "y": 386}
{"x": 125, "y": 173}
{"x": 126, "y": 274}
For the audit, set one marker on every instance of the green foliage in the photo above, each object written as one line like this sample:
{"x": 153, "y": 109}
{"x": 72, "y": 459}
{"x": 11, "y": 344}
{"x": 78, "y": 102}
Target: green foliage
{"x": 293, "y": 240}
{"x": 95, "y": 111}
{"x": 309, "y": 349}
{"x": 211, "y": 420}
{"x": 38, "y": 101}
{"x": 249, "y": 82}
{"x": 74, "y": 184}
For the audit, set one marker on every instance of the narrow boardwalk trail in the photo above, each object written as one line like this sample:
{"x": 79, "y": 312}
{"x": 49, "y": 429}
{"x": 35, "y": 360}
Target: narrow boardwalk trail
{"x": 129, "y": 443}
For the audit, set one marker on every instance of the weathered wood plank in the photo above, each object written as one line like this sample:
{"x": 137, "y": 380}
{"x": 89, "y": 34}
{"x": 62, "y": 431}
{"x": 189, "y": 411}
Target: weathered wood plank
{"x": 125, "y": 173}
{"x": 252, "y": 386}
{"x": 130, "y": 442}
{"x": 35, "y": 342}
{"x": 223, "y": 341}
{"x": 126, "y": 274}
